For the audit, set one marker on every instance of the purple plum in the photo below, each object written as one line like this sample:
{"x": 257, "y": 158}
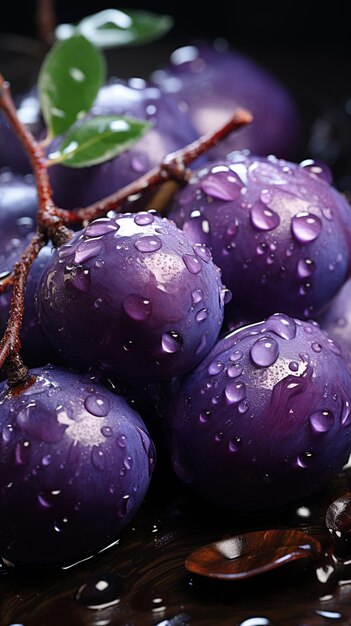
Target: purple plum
{"x": 265, "y": 418}
{"x": 75, "y": 465}
{"x": 210, "y": 80}
{"x": 279, "y": 231}
{"x": 132, "y": 296}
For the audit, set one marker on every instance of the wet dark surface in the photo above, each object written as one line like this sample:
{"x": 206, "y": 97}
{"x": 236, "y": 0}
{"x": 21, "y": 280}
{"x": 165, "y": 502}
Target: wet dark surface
{"x": 143, "y": 580}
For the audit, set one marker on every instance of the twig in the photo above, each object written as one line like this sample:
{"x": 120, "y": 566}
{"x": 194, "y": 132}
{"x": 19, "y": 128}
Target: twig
{"x": 172, "y": 167}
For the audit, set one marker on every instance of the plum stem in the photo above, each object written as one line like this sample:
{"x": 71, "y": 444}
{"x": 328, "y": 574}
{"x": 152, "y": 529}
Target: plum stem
{"x": 173, "y": 167}
{"x": 52, "y": 221}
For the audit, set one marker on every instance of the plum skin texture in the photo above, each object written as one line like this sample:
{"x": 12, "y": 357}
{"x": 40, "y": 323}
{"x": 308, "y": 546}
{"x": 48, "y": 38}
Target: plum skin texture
{"x": 264, "y": 420}
{"x": 279, "y": 231}
{"x": 76, "y": 461}
{"x": 132, "y": 296}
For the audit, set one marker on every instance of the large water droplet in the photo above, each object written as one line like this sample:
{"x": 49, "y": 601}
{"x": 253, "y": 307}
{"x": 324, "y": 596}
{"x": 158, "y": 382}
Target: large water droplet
{"x": 201, "y": 315}
{"x": 100, "y": 227}
{"x": 305, "y": 460}
{"x": 305, "y": 268}
{"x": 196, "y": 296}
{"x": 100, "y": 591}
{"x": 215, "y": 367}
{"x": 203, "y": 252}
{"x": 171, "y": 341}
{"x": 144, "y": 218}
{"x": 321, "y": 421}
{"x": 148, "y": 243}
{"x": 235, "y": 444}
{"x": 87, "y": 250}
{"x": 192, "y": 263}
{"x": 264, "y": 218}
{"x": 306, "y": 227}
{"x": 235, "y": 370}
{"x": 80, "y": 278}
{"x": 319, "y": 169}
{"x": 235, "y": 392}
{"x": 221, "y": 185}
{"x": 137, "y": 307}
{"x": 22, "y": 453}
{"x": 97, "y": 405}
{"x": 264, "y": 351}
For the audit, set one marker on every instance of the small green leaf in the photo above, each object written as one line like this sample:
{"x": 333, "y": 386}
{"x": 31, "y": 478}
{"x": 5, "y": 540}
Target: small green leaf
{"x": 113, "y": 28}
{"x": 69, "y": 80}
{"x": 98, "y": 139}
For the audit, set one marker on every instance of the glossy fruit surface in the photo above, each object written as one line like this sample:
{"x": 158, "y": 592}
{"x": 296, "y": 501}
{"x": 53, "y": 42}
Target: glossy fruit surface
{"x": 265, "y": 418}
{"x": 210, "y": 80}
{"x": 133, "y": 297}
{"x": 75, "y": 465}
{"x": 170, "y": 129}
{"x": 279, "y": 231}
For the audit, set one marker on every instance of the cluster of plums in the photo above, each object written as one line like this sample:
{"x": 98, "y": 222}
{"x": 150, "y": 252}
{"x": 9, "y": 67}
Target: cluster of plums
{"x": 219, "y": 306}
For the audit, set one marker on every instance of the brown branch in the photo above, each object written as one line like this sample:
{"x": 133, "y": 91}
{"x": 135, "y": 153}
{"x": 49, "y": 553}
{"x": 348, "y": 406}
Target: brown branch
{"x": 6, "y": 282}
{"x": 50, "y": 223}
{"x": 173, "y": 167}
{"x": 45, "y": 17}
{"x": 10, "y": 343}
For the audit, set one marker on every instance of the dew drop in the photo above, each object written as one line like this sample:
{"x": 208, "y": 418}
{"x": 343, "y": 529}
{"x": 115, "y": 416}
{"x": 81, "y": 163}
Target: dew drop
{"x": 318, "y": 168}
{"x": 106, "y": 431}
{"x": 144, "y": 218}
{"x": 306, "y": 227}
{"x": 316, "y": 347}
{"x": 293, "y": 366}
{"x": 204, "y": 416}
{"x": 80, "y": 278}
{"x": 235, "y": 392}
{"x": 235, "y": 444}
{"x": 282, "y": 325}
{"x": 8, "y": 433}
{"x": 203, "y": 252}
{"x": 243, "y": 407}
{"x": 100, "y": 591}
{"x": 305, "y": 459}
{"x": 97, "y": 405}
{"x": 87, "y": 250}
{"x": 98, "y": 458}
{"x": 121, "y": 441}
{"x": 22, "y": 453}
{"x": 197, "y": 296}
{"x": 46, "y": 460}
{"x": 221, "y": 185}
{"x": 264, "y": 218}
{"x": 321, "y": 421}
{"x": 264, "y": 352}
{"x": 192, "y": 263}
{"x": 125, "y": 505}
{"x": 235, "y": 370}
{"x": 137, "y": 307}
{"x": 346, "y": 414}
{"x": 101, "y": 226}
{"x": 215, "y": 367}
{"x": 201, "y": 315}
{"x": 236, "y": 356}
{"x": 61, "y": 524}
{"x": 148, "y": 243}
{"x": 305, "y": 268}
{"x": 171, "y": 341}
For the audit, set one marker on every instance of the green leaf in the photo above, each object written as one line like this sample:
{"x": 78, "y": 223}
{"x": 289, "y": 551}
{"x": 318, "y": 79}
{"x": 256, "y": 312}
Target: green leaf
{"x": 113, "y": 28}
{"x": 98, "y": 139}
{"x": 69, "y": 80}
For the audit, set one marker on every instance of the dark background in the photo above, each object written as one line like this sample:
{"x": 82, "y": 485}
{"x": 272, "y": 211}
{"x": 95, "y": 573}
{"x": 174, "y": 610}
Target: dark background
{"x": 305, "y": 45}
